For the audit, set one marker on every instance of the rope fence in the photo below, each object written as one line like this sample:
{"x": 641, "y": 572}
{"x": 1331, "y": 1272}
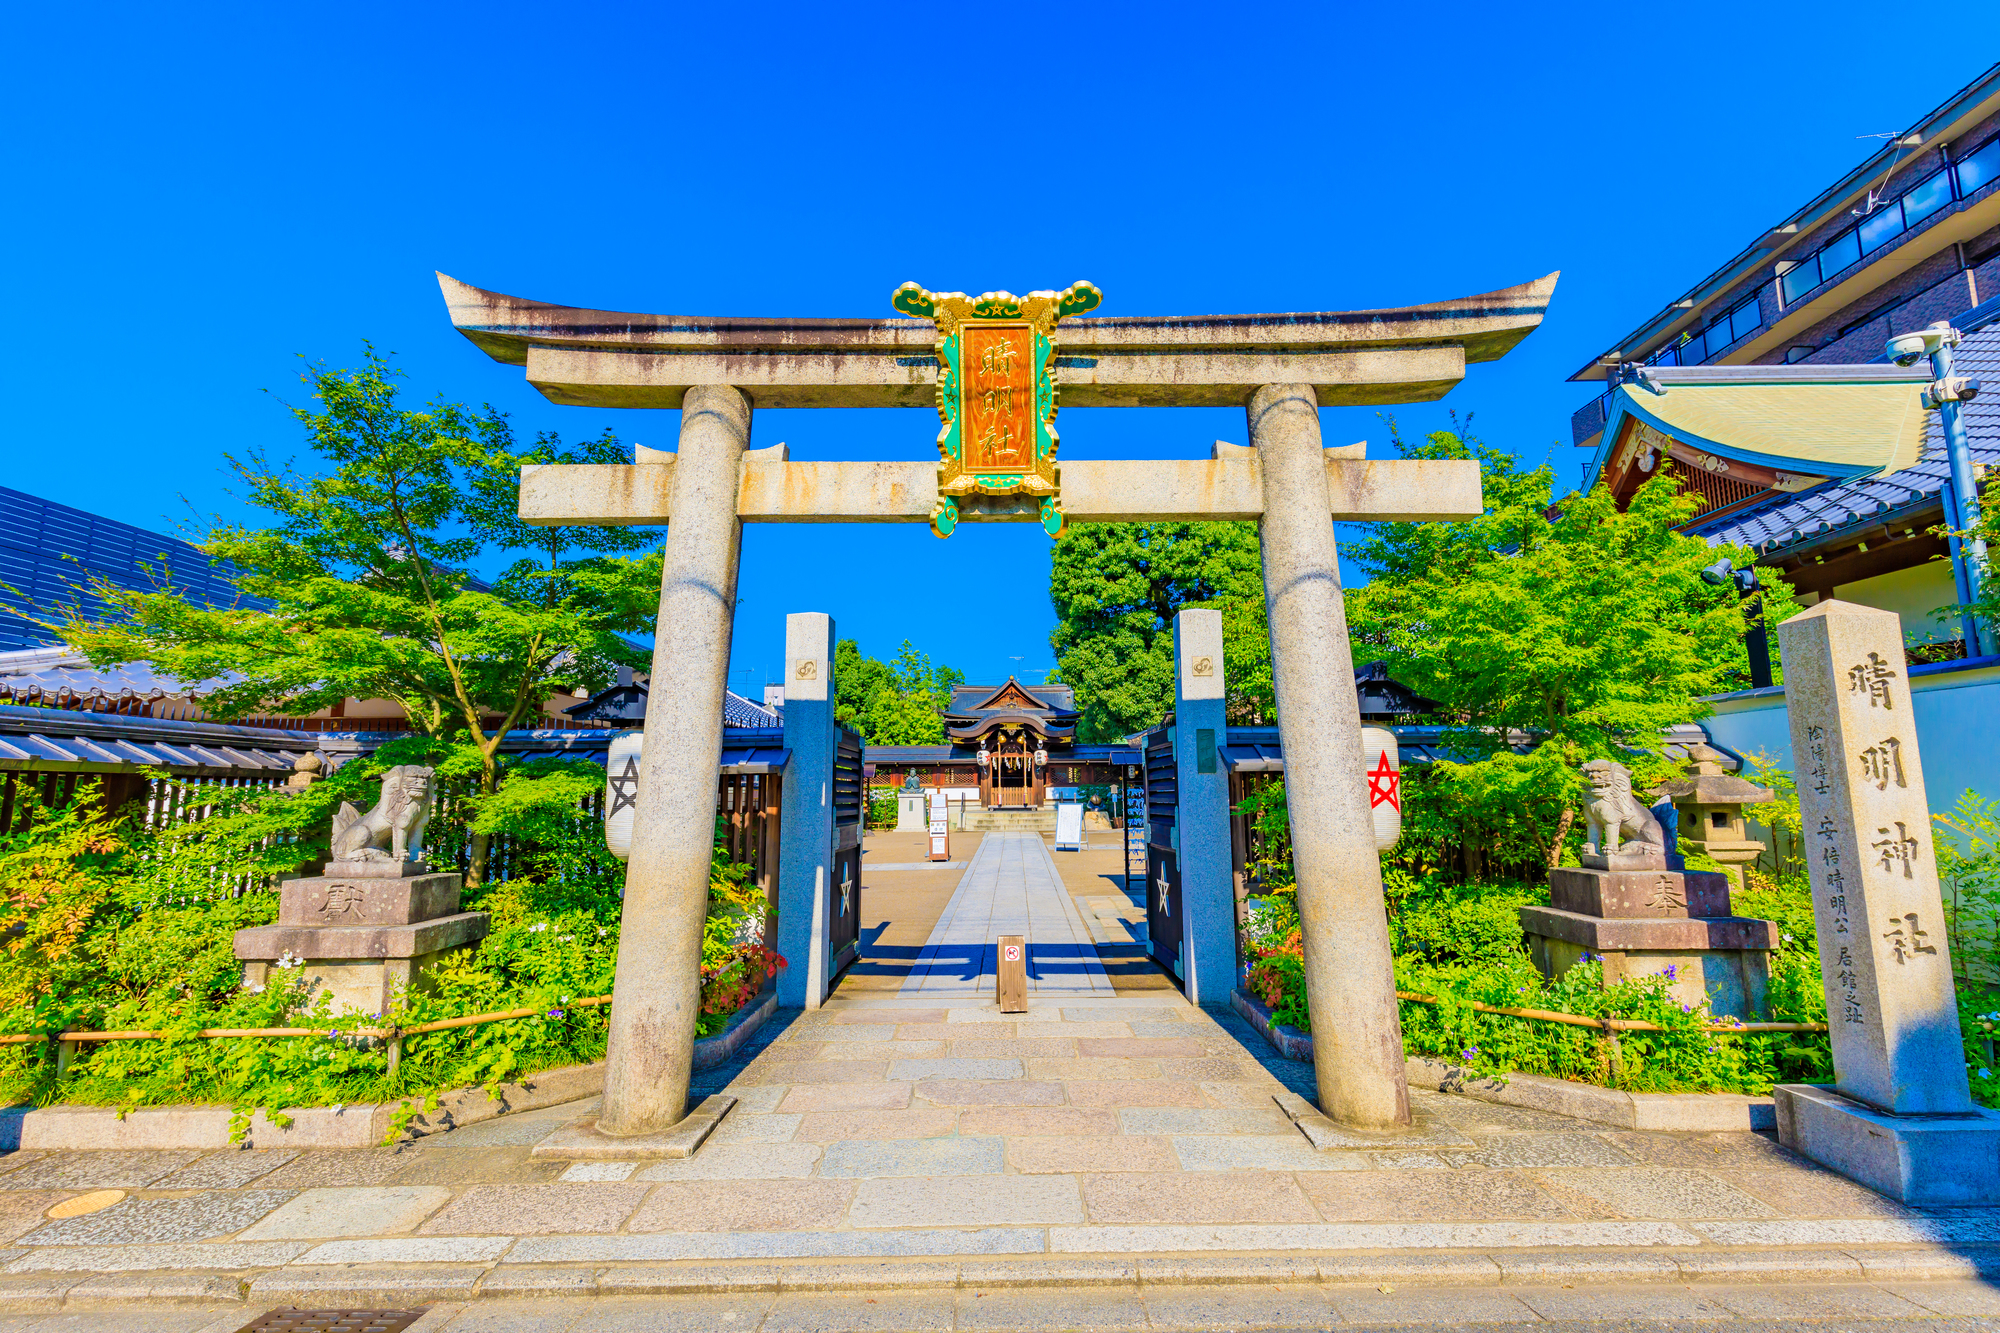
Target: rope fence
{"x": 67, "y": 1042}
{"x": 1608, "y": 1024}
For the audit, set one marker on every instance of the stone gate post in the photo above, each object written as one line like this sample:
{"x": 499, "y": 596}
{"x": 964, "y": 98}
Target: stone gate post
{"x": 805, "y": 855}
{"x": 1350, "y": 981}
{"x": 1208, "y": 891}
{"x": 656, "y": 998}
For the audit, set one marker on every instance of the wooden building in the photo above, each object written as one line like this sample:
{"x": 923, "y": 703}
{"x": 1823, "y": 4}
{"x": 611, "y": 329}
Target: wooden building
{"x": 1012, "y": 744}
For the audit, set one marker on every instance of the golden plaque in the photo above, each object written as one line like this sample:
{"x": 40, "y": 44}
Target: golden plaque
{"x": 996, "y": 383}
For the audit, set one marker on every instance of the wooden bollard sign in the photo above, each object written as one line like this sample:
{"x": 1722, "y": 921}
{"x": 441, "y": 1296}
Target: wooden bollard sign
{"x": 1013, "y": 974}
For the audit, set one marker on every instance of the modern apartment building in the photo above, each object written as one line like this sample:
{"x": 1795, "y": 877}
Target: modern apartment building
{"x": 1767, "y": 385}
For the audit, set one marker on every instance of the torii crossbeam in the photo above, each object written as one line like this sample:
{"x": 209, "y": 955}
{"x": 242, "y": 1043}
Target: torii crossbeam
{"x": 1281, "y": 368}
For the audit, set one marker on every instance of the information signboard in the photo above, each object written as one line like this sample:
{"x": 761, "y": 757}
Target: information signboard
{"x": 1069, "y": 826}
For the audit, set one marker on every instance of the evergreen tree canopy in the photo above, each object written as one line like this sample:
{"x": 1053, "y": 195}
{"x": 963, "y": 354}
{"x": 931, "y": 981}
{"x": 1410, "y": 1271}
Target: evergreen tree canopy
{"x": 900, "y": 702}
{"x": 1586, "y": 628}
{"x": 1116, "y": 588}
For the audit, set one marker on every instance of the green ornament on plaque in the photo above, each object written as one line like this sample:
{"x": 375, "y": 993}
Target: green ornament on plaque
{"x": 996, "y": 383}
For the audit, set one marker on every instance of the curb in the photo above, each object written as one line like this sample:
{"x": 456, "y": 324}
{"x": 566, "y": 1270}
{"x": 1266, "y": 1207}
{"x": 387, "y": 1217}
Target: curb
{"x": 1287, "y": 1041}
{"x": 362, "y": 1125}
{"x": 1684, "y": 1112}
{"x": 712, "y": 1051}
{"x": 394, "y": 1285}
{"x": 88, "y": 1128}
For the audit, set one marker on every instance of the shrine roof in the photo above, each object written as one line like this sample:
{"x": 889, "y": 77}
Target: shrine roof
{"x": 978, "y": 700}
{"x": 1817, "y": 421}
{"x": 1884, "y": 495}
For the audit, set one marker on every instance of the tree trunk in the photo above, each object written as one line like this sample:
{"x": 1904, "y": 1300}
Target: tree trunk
{"x": 481, "y": 844}
{"x": 1562, "y": 831}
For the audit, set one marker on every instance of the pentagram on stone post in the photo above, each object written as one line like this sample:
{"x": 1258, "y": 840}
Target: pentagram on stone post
{"x": 1281, "y": 367}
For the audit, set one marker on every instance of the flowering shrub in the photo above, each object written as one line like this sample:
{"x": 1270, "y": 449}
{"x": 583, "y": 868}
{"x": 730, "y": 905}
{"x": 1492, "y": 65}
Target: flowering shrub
{"x": 112, "y": 927}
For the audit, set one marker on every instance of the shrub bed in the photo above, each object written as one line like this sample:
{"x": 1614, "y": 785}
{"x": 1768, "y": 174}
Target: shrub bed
{"x": 110, "y": 926}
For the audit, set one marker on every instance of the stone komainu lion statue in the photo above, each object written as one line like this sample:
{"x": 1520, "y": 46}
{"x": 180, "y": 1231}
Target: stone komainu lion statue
{"x": 1612, "y": 812}
{"x": 394, "y": 829}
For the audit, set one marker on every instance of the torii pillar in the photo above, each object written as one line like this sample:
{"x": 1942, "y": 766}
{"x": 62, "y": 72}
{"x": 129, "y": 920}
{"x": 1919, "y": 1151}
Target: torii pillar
{"x": 1283, "y": 367}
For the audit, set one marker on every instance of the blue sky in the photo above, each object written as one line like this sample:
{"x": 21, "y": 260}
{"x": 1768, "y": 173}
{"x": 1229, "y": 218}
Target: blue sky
{"x": 200, "y": 194}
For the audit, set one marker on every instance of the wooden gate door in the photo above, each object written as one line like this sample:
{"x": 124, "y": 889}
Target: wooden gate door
{"x": 850, "y": 798}
{"x": 1165, "y": 913}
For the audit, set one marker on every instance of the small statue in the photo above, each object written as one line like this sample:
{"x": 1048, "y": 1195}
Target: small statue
{"x": 1612, "y": 811}
{"x": 305, "y": 771}
{"x": 394, "y": 829}
{"x": 910, "y": 783}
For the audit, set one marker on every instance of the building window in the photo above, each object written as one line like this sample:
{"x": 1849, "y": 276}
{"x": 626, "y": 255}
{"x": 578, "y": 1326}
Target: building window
{"x": 1733, "y": 327}
{"x": 1978, "y": 169}
{"x": 1954, "y": 180}
{"x": 1927, "y": 198}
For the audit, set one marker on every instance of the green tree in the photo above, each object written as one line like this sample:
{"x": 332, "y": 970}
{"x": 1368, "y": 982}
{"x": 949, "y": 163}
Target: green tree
{"x": 1116, "y": 588}
{"x": 857, "y": 679}
{"x": 1576, "y": 628}
{"x": 892, "y": 703}
{"x": 366, "y": 567}
{"x": 1987, "y": 606}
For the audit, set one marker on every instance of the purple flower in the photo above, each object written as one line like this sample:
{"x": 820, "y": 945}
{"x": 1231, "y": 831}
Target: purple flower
{"x": 1687, "y": 1008}
{"x": 555, "y": 1013}
{"x": 1672, "y": 973}
{"x": 1468, "y": 1053}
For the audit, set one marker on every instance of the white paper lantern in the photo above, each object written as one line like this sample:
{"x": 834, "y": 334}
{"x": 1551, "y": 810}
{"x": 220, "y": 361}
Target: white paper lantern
{"x": 621, "y": 791}
{"x": 1382, "y": 766}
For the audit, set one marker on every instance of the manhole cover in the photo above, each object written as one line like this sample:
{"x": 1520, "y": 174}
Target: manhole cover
{"x": 332, "y": 1321}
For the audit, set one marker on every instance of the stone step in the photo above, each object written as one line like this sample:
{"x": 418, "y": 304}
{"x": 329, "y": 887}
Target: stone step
{"x": 1012, "y": 821}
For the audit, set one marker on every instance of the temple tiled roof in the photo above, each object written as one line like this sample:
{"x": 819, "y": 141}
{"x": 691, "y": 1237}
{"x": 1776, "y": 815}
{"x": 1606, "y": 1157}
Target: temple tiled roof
{"x": 58, "y": 675}
{"x": 738, "y": 711}
{"x": 1816, "y": 514}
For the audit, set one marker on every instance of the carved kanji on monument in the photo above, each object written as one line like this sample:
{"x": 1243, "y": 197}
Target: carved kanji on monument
{"x": 1900, "y": 1115}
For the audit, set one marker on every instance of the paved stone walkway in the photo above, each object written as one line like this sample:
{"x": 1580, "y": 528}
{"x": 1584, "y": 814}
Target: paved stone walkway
{"x": 1131, "y": 1139}
{"x": 1011, "y": 887}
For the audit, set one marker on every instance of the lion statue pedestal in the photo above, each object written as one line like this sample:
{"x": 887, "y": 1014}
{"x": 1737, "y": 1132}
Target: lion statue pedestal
{"x": 1625, "y": 908}
{"x": 369, "y": 924}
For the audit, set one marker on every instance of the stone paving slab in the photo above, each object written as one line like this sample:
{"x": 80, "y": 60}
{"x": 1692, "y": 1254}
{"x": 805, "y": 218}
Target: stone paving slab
{"x": 885, "y": 1172}
{"x": 1010, "y": 887}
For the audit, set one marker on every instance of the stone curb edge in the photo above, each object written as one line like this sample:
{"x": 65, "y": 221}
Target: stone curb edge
{"x": 1686, "y": 1112}
{"x": 89, "y": 1128}
{"x": 364, "y": 1125}
{"x": 712, "y": 1051}
{"x": 403, "y": 1284}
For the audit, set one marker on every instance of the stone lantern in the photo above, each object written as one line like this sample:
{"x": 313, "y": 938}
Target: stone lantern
{"x": 1710, "y": 805}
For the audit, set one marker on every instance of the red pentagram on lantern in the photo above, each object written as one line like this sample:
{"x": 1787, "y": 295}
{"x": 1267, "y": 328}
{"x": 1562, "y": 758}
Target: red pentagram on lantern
{"x": 1383, "y": 785}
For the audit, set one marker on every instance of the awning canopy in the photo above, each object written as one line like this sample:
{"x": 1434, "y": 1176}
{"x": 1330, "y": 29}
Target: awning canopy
{"x": 1764, "y": 432}
{"x": 753, "y": 759}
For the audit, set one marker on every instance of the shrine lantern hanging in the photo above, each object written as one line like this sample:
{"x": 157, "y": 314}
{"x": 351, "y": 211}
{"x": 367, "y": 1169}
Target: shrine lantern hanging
{"x": 621, "y": 791}
{"x": 1382, "y": 766}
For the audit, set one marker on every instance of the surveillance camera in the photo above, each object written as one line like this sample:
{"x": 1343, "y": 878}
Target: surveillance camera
{"x": 1907, "y": 349}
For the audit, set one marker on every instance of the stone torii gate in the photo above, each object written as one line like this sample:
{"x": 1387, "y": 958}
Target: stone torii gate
{"x": 1281, "y": 368}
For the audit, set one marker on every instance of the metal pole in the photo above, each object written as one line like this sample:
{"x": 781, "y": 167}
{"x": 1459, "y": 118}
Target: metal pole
{"x": 1961, "y": 502}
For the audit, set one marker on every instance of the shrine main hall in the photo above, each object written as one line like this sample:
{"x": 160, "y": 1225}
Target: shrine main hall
{"x": 1008, "y": 747}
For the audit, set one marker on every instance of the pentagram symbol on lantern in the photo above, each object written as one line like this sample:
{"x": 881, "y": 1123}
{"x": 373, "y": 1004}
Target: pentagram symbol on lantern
{"x": 1384, "y": 786}
{"x": 624, "y": 788}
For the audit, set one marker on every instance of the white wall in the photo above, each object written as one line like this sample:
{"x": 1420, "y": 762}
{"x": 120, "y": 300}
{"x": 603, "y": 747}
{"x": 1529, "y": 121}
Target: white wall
{"x": 1958, "y": 730}
{"x": 1911, "y": 593}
